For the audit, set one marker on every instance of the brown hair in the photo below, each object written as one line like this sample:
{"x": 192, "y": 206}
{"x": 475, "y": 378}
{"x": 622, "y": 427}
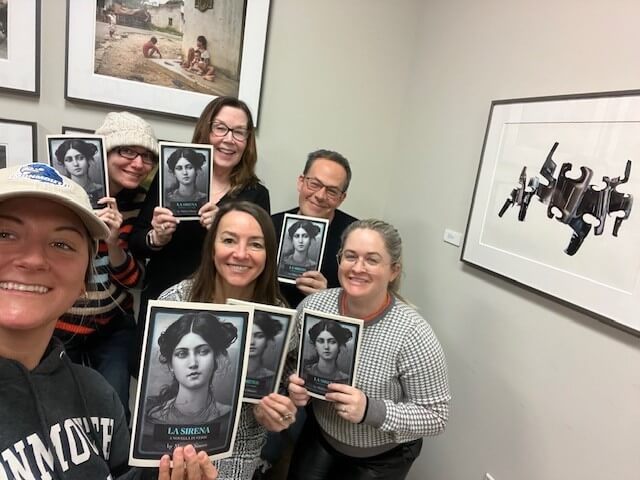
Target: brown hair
{"x": 266, "y": 288}
{"x": 243, "y": 174}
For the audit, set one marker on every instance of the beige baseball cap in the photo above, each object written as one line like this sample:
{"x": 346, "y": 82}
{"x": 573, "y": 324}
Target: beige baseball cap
{"x": 43, "y": 181}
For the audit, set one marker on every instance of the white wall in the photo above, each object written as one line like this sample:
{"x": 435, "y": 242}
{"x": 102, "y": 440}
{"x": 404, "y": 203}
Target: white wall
{"x": 403, "y": 90}
{"x": 540, "y": 391}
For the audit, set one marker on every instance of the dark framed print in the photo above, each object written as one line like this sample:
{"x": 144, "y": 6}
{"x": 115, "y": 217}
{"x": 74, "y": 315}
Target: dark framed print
{"x": 553, "y": 202}
{"x": 170, "y": 58}
{"x": 301, "y": 248}
{"x": 185, "y": 178}
{"x": 329, "y": 350}
{"x": 20, "y": 46}
{"x": 17, "y": 142}
{"x": 270, "y": 334}
{"x": 83, "y": 159}
{"x": 76, "y": 131}
{"x": 191, "y": 379}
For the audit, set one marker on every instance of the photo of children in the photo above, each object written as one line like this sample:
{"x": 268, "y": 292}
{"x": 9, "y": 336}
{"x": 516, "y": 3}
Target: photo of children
{"x": 172, "y": 45}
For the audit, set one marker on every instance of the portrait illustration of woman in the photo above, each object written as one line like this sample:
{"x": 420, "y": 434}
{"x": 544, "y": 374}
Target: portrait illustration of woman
{"x": 185, "y": 164}
{"x": 328, "y": 338}
{"x": 193, "y": 348}
{"x": 301, "y": 234}
{"x": 74, "y": 157}
{"x": 260, "y": 377}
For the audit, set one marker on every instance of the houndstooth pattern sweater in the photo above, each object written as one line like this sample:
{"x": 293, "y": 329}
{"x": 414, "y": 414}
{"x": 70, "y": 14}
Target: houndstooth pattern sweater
{"x": 402, "y": 371}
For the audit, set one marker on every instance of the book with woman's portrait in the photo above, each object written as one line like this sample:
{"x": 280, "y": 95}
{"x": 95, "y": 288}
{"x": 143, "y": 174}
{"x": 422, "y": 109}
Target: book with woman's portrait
{"x": 301, "y": 247}
{"x": 191, "y": 379}
{"x": 186, "y": 174}
{"x": 270, "y": 334}
{"x": 83, "y": 159}
{"x": 329, "y": 350}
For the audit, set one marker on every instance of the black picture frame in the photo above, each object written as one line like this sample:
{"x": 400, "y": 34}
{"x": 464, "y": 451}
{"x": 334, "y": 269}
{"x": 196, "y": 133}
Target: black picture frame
{"x": 19, "y": 141}
{"x": 543, "y": 161}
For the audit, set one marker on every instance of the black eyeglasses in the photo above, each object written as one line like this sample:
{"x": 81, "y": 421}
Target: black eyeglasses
{"x": 238, "y": 134}
{"x": 147, "y": 157}
{"x": 313, "y": 184}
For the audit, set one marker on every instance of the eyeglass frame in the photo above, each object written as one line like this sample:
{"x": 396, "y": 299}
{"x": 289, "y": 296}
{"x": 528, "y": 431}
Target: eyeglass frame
{"x": 218, "y": 123}
{"x": 382, "y": 263}
{"x": 153, "y": 159}
{"x": 327, "y": 188}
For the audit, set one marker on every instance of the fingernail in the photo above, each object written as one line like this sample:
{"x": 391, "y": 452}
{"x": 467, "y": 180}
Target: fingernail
{"x": 189, "y": 450}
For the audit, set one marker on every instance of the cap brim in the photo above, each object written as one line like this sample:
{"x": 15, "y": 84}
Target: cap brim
{"x": 97, "y": 229}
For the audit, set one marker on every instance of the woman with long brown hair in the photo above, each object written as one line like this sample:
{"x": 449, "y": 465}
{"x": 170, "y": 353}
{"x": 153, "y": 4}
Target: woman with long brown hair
{"x": 173, "y": 248}
{"x": 239, "y": 261}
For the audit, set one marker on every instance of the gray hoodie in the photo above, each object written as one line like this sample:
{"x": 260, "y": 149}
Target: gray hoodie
{"x": 60, "y": 421}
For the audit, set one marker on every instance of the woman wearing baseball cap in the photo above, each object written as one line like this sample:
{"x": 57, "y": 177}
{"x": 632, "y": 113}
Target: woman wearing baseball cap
{"x": 59, "y": 420}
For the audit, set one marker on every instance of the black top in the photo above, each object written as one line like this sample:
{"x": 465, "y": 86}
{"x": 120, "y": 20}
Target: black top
{"x": 181, "y": 256}
{"x": 329, "y": 267}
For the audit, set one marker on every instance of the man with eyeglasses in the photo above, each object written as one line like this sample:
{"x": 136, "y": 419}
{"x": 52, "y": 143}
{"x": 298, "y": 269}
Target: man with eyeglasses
{"x": 322, "y": 187}
{"x": 99, "y": 330}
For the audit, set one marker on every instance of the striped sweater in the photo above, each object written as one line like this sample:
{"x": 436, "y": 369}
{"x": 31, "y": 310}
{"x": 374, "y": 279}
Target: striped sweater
{"x": 108, "y": 293}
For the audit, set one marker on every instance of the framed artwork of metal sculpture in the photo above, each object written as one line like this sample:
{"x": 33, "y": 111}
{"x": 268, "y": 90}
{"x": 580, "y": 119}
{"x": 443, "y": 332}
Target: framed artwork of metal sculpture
{"x": 553, "y": 202}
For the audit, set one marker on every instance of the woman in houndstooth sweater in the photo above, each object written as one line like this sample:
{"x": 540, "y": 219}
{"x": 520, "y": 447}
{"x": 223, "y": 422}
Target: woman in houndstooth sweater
{"x": 375, "y": 429}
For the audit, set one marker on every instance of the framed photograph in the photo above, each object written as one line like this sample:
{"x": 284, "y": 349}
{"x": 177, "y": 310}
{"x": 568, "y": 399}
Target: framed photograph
{"x": 17, "y": 142}
{"x": 185, "y": 178}
{"x": 83, "y": 159}
{"x": 553, "y": 202}
{"x": 301, "y": 247}
{"x": 170, "y": 58}
{"x": 20, "y": 46}
{"x": 270, "y": 334}
{"x": 329, "y": 349}
{"x": 191, "y": 379}
{"x": 76, "y": 131}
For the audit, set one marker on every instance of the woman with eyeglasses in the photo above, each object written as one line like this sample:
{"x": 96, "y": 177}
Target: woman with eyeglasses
{"x": 99, "y": 330}
{"x": 174, "y": 248}
{"x": 401, "y": 393}
{"x": 74, "y": 158}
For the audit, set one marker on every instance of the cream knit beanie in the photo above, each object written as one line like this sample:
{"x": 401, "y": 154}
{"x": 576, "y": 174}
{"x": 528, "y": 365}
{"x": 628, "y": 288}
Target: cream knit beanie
{"x": 122, "y": 129}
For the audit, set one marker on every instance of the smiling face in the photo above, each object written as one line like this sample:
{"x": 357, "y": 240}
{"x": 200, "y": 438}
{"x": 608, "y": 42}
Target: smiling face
{"x": 258, "y": 342}
{"x": 185, "y": 172}
{"x": 367, "y": 278}
{"x": 44, "y": 254}
{"x": 125, "y": 173}
{"x": 301, "y": 240}
{"x": 193, "y": 362}
{"x": 76, "y": 163}
{"x": 317, "y": 204}
{"x": 227, "y": 150}
{"x": 327, "y": 346}
{"x": 239, "y": 251}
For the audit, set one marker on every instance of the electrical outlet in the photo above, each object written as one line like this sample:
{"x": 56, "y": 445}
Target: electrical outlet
{"x": 452, "y": 237}
{"x": 488, "y": 476}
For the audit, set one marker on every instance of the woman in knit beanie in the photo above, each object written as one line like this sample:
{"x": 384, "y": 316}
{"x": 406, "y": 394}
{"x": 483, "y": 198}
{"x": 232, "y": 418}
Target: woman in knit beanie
{"x": 99, "y": 330}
